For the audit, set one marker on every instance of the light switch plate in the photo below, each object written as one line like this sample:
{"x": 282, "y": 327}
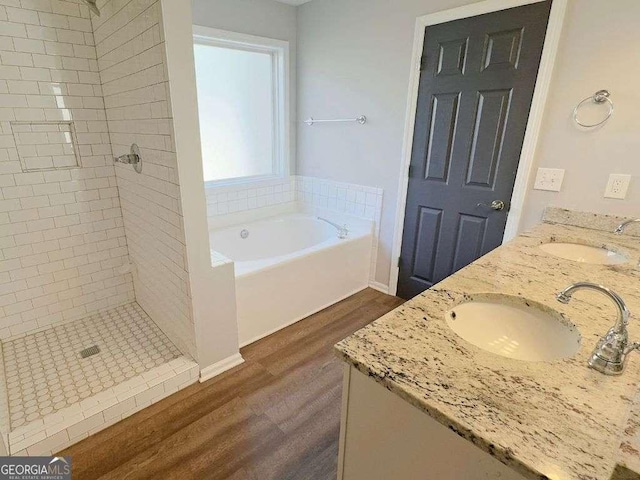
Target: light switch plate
{"x": 617, "y": 186}
{"x": 549, "y": 179}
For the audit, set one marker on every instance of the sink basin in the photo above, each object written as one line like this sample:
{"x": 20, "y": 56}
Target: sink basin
{"x": 514, "y": 327}
{"x": 584, "y": 253}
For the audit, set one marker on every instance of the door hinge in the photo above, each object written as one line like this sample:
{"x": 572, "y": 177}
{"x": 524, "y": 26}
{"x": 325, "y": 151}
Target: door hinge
{"x": 410, "y": 171}
{"x": 399, "y": 262}
{"x": 423, "y": 62}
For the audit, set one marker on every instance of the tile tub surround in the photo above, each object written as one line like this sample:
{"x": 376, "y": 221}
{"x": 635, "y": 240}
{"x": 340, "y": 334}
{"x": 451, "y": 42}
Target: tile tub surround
{"x": 227, "y": 199}
{"x": 356, "y": 200}
{"x": 310, "y": 193}
{"x": 322, "y": 195}
{"x": 62, "y": 241}
{"x": 546, "y": 420}
{"x": 57, "y": 398}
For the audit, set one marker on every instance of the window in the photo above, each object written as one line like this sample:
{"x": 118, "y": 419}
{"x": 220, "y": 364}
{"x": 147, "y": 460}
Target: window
{"x": 242, "y": 84}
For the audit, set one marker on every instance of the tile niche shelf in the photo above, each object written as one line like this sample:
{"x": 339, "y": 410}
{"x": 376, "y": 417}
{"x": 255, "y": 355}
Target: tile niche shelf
{"x": 45, "y": 146}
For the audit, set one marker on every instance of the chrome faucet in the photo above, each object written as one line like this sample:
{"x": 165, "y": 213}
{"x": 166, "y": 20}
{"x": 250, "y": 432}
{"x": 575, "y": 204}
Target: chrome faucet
{"x": 610, "y": 353}
{"x": 131, "y": 158}
{"x": 343, "y": 231}
{"x": 620, "y": 228}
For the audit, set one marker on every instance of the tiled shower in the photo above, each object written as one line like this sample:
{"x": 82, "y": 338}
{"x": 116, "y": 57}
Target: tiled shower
{"x": 92, "y": 255}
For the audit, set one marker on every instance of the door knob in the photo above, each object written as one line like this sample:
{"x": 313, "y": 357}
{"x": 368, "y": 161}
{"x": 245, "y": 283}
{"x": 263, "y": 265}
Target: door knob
{"x": 497, "y": 205}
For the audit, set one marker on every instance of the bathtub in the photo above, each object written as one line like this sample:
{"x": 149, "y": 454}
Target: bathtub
{"x": 290, "y": 266}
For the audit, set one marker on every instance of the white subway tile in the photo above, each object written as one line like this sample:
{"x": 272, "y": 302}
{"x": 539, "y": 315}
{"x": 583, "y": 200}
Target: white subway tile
{"x": 53, "y": 20}
{"x": 32, "y": 73}
{"x": 28, "y": 45}
{"x": 41, "y": 33}
{"x": 10, "y": 29}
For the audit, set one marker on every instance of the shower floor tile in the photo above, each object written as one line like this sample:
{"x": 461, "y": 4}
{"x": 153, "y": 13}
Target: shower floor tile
{"x": 46, "y": 373}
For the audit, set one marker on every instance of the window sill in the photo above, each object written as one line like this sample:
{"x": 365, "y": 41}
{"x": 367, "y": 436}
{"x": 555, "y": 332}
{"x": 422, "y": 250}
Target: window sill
{"x": 245, "y": 182}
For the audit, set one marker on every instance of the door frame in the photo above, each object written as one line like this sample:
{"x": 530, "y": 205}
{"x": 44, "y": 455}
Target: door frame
{"x": 534, "y": 123}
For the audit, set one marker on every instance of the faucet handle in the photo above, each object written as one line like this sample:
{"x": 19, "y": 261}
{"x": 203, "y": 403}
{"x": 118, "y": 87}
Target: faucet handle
{"x": 609, "y": 354}
{"x": 632, "y": 347}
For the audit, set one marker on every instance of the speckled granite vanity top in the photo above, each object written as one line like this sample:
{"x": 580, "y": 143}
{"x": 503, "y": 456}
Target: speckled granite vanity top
{"x": 558, "y": 420}
{"x": 628, "y": 467}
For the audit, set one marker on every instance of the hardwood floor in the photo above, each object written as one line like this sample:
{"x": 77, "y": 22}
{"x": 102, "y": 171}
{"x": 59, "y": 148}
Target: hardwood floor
{"x": 277, "y": 416}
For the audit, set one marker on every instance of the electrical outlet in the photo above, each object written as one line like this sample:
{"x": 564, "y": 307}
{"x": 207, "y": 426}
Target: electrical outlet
{"x": 549, "y": 179}
{"x": 617, "y": 186}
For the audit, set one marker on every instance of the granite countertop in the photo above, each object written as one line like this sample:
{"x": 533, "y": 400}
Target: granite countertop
{"x": 559, "y": 419}
{"x": 628, "y": 465}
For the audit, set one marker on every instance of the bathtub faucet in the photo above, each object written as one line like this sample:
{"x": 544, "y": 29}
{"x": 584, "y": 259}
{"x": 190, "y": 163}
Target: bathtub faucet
{"x": 343, "y": 231}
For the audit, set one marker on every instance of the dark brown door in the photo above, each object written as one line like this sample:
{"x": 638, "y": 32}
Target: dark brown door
{"x": 476, "y": 84}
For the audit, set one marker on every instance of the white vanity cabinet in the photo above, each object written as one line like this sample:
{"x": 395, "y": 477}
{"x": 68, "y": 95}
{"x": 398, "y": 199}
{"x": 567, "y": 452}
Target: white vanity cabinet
{"x": 383, "y": 437}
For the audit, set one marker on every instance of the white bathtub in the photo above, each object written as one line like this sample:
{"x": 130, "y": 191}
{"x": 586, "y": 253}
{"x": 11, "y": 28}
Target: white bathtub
{"x": 291, "y": 266}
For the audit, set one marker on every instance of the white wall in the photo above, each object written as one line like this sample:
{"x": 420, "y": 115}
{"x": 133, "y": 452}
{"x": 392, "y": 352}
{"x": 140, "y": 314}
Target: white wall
{"x": 264, "y": 18}
{"x": 598, "y": 49}
{"x": 354, "y": 58}
{"x": 214, "y": 314}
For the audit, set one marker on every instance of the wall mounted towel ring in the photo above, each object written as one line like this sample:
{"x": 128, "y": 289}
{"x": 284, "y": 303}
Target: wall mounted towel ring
{"x": 601, "y": 96}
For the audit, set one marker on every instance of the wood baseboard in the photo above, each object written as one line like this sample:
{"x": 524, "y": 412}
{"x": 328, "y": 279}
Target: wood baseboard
{"x": 381, "y": 287}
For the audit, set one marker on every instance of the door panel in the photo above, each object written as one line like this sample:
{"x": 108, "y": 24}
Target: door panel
{"x": 452, "y": 57}
{"x": 488, "y": 133}
{"x": 469, "y": 240}
{"x": 475, "y": 91}
{"x": 429, "y": 222}
{"x": 443, "y": 123}
{"x": 503, "y": 50}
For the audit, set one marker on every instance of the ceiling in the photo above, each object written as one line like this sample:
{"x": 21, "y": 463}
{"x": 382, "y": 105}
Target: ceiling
{"x": 294, "y": 2}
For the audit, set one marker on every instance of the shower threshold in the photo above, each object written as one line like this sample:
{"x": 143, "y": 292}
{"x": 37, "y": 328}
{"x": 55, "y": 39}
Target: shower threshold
{"x": 62, "y": 384}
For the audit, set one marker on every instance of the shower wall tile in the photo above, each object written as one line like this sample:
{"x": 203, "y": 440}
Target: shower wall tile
{"x": 63, "y": 251}
{"x": 131, "y": 59}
